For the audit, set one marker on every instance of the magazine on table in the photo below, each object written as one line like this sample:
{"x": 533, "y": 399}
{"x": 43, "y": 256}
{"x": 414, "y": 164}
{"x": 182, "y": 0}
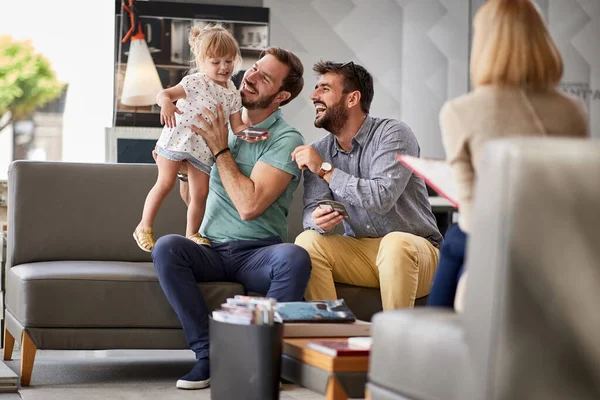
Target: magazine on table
{"x": 339, "y": 347}
{"x": 314, "y": 311}
{"x": 436, "y": 173}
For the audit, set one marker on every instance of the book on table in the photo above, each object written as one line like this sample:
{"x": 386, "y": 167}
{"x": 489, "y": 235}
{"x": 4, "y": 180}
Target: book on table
{"x": 339, "y": 348}
{"x": 321, "y": 311}
{"x": 436, "y": 173}
{"x": 325, "y": 329}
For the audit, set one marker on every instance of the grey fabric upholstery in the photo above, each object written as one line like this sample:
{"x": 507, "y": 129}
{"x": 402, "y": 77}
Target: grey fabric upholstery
{"x": 71, "y": 211}
{"x": 530, "y": 325}
{"x": 116, "y": 295}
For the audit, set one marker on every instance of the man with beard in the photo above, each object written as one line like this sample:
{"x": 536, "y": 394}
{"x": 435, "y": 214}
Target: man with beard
{"x": 250, "y": 192}
{"x": 391, "y": 240}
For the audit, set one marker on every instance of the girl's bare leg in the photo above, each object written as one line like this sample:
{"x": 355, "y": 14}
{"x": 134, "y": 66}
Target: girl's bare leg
{"x": 167, "y": 173}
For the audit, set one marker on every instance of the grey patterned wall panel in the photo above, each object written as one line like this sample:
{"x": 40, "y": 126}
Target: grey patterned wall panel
{"x": 417, "y": 51}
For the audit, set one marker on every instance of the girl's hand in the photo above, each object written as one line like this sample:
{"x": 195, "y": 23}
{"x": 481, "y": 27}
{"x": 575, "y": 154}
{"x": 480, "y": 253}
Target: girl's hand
{"x": 167, "y": 115}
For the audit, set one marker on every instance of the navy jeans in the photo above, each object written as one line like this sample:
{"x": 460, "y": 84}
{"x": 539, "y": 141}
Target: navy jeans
{"x": 268, "y": 266}
{"x": 449, "y": 270}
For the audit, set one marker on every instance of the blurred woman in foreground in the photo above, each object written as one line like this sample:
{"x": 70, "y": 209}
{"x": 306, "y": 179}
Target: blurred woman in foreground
{"x": 515, "y": 72}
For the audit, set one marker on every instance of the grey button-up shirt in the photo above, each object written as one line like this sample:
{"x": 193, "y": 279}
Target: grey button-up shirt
{"x": 380, "y": 194}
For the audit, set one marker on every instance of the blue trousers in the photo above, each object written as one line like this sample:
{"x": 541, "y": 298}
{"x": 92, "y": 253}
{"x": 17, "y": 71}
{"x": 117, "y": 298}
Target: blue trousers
{"x": 267, "y": 266}
{"x": 449, "y": 270}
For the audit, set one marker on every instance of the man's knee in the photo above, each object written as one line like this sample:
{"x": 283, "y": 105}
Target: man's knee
{"x": 309, "y": 240}
{"x": 166, "y": 250}
{"x": 295, "y": 258}
{"x": 398, "y": 246}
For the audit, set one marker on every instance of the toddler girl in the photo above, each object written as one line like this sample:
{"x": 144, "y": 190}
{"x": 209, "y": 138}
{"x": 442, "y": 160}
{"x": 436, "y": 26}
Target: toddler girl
{"x": 217, "y": 57}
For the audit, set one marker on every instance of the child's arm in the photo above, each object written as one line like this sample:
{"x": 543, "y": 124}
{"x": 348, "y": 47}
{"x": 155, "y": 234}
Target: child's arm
{"x": 237, "y": 125}
{"x": 165, "y": 99}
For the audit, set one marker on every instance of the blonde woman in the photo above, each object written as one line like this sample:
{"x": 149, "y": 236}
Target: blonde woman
{"x": 515, "y": 70}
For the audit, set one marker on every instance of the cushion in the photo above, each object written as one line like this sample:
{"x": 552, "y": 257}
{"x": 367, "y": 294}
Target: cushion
{"x": 87, "y": 294}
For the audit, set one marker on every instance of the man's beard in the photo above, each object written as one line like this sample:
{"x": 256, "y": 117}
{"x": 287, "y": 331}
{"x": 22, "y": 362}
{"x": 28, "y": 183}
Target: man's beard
{"x": 334, "y": 118}
{"x": 260, "y": 103}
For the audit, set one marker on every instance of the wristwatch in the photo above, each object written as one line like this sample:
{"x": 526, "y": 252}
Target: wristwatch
{"x": 325, "y": 168}
{"x": 182, "y": 177}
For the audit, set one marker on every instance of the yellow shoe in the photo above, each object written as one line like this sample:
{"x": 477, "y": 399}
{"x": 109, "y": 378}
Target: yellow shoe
{"x": 199, "y": 239}
{"x": 144, "y": 238}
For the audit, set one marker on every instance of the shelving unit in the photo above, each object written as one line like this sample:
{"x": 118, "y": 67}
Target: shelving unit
{"x": 166, "y": 26}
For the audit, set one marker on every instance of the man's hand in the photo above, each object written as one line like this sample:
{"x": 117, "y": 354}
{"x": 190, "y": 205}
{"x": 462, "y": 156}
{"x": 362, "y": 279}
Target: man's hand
{"x": 307, "y": 158}
{"x": 326, "y": 219}
{"x": 214, "y": 132}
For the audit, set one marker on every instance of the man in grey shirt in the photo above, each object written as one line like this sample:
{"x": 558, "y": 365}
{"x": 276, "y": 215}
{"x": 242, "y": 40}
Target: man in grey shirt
{"x": 391, "y": 240}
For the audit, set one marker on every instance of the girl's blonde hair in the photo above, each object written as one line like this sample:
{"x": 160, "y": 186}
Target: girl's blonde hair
{"x": 512, "y": 46}
{"x": 213, "y": 41}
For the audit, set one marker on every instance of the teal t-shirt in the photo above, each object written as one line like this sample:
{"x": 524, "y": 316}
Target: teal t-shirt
{"x": 222, "y": 221}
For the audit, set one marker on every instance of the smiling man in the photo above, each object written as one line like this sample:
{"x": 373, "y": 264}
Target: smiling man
{"x": 245, "y": 220}
{"x": 391, "y": 240}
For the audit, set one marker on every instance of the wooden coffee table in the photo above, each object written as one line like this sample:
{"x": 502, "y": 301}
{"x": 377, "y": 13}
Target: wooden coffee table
{"x": 339, "y": 378}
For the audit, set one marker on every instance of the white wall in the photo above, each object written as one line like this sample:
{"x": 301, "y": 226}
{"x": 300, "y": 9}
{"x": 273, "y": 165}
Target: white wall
{"x": 416, "y": 50}
{"x": 78, "y": 40}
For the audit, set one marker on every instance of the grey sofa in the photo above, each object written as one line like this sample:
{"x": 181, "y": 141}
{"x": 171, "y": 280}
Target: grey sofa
{"x": 75, "y": 278}
{"x": 531, "y": 324}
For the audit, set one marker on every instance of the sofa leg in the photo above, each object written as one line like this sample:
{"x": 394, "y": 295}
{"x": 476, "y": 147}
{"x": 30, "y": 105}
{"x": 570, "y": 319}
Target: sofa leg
{"x": 28, "y": 350}
{"x": 9, "y": 345}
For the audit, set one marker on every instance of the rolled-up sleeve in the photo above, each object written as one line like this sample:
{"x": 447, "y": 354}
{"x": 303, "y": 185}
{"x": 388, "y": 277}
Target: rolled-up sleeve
{"x": 315, "y": 189}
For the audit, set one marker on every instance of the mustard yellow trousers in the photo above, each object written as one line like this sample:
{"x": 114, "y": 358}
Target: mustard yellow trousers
{"x": 402, "y": 265}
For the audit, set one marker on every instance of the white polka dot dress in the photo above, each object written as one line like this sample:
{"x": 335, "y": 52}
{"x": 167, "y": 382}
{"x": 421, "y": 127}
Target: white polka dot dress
{"x": 201, "y": 92}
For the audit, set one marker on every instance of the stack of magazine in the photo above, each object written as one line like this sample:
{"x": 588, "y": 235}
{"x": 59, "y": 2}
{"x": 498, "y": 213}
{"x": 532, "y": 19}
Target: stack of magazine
{"x": 315, "y": 311}
{"x": 323, "y": 318}
{"x": 246, "y": 310}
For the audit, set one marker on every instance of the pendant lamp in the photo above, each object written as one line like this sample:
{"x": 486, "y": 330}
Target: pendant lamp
{"x": 142, "y": 83}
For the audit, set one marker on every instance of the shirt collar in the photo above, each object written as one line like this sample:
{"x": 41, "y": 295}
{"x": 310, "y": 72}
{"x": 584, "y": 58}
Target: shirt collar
{"x": 363, "y": 132}
{"x": 360, "y": 137}
{"x": 270, "y": 120}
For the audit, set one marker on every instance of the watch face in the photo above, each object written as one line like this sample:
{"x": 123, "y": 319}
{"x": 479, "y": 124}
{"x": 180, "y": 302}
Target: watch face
{"x": 326, "y": 166}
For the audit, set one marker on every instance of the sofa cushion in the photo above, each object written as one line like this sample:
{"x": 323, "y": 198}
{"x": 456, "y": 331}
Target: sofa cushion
{"x": 419, "y": 353}
{"x": 81, "y": 211}
{"x": 87, "y": 294}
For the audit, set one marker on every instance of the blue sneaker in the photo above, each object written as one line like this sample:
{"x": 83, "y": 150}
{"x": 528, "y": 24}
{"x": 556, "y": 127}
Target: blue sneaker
{"x": 198, "y": 377}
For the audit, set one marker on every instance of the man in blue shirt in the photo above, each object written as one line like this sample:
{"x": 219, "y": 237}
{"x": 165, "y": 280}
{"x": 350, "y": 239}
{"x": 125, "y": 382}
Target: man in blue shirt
{"x": 250, "y": 192}
{"x": 391, "y": 240}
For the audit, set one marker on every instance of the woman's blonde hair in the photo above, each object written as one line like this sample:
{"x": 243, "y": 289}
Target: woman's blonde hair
{"x": 512, "y": 46}
{"x": 213, "y": 41}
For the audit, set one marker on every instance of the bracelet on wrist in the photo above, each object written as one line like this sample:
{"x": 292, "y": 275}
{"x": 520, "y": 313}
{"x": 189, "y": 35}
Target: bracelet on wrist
{"x": 182, "y": 177}
{"x": 218, "y": 153}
